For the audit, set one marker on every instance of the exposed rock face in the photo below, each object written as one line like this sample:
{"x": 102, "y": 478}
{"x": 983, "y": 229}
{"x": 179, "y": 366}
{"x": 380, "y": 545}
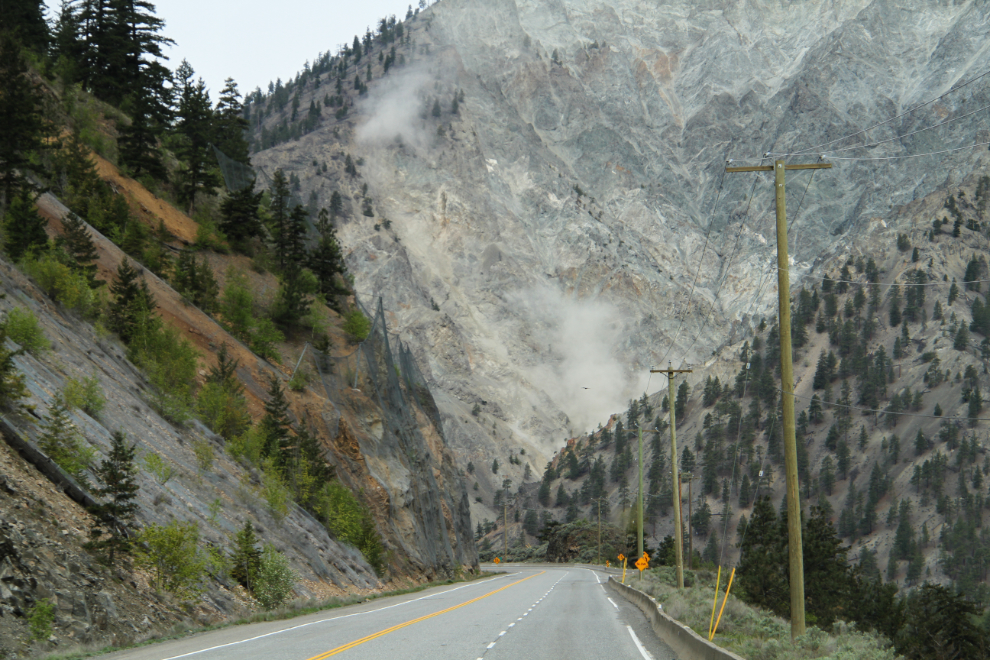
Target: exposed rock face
{"x": 551, "y": 235}
{"x": 388, "y": 450}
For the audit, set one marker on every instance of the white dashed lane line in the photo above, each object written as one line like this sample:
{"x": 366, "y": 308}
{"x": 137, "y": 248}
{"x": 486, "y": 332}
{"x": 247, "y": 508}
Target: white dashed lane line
{"x": 639, "y": 645}
{"x": 613, "y": 603}
{"x": 526, "y": 613}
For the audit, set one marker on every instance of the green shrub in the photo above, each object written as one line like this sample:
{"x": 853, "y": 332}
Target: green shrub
{"x": 237, "y": 305}
{"x": 40, "y": 619}
{"x": 23, "y": 328}
{"x": 349, "y": 521}
{"x": 224, "y": 412}
{"x": 275, "y": 579}
{"x": 170, "y": 364}
{"x": 86, "y": 394}
{"x": 299, "y": 380}
{"x": 204, "y": 455}
{"x": 61, "y": 441}
{"x": 357, "y": 325}
{"x": 275, "y": 490}
{"x": 161, "y": 469}
{"x": 266, "y": 336}
{"x": 62, "y": 283}
{"x": 172, "y": 553}
{"x": 248, "y": 446}
{"x": 12, "y": 388}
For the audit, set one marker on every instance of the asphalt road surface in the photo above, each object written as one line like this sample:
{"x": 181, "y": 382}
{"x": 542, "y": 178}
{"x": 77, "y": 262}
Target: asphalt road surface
{"x": 550, "y": 611}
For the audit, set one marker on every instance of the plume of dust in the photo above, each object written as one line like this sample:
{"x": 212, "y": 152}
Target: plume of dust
{"x": 394, "y": 110}
{"x": 579, "y": 371}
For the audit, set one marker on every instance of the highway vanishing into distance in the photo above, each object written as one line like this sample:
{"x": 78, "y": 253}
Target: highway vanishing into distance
{"x": 548, "y": 611}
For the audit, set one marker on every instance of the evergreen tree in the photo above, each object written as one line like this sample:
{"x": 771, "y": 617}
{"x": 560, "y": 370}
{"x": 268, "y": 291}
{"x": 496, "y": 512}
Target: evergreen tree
{"x": 24, "y": 128}
{"x": 230, "y": 126}
{"x": 130, "y": 300}
{"x": 195, "y": 129}
{"x": 76, "y": 241}
{"x": 940, "y": 624}
{"x": 246, "y": 559}
{"x": 116, "y": 476}
{"x": 326, "y": 260}
{"x": 26, "y": 18}
{"x": 239, "y": 219}
{"x": 680, "y": 404}
{"x": 762, "y": 571}
{"x": 25, "y": 227}
{"x": 828, "y": 583}
{"x": 275, "y": 425}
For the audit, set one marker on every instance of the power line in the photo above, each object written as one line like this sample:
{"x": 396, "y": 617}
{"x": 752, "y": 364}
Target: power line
{"x": 715, "y": 300}
{"x": 903, "y": 114}
{"x": 931, "y": 153}
{"x": 887, "y": 412}
{"x": 711, "y": 223}
{"x": 896, "y": 137}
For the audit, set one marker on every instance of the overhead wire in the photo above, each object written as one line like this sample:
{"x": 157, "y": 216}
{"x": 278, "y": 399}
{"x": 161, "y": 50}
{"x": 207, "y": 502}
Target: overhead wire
{"x": 887, "y": 412}
{"x": 724, "y": 278}
{"x": 891, "y": 139}
{"x": 896, "y": 117}
{"x": 711, "y": 223}
{"x": 827, "y": 157}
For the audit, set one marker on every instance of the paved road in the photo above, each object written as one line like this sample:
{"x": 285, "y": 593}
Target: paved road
{"x": 529, "y": 612}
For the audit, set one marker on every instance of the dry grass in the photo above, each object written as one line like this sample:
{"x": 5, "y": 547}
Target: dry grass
{"x": 753, "y": 633}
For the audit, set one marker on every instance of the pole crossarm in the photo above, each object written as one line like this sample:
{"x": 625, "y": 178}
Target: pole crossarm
{"x": 770, "y": 168}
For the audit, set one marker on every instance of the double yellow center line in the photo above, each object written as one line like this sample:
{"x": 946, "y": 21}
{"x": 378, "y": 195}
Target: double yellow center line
{"x": 382, "y": 633}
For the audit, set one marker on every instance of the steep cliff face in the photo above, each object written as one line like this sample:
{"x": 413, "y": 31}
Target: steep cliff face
{"x": 548, "y": 241}
{"x": 382, "y": 437}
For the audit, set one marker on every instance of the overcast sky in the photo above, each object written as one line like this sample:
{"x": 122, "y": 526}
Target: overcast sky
{"x": 254, "y": 41}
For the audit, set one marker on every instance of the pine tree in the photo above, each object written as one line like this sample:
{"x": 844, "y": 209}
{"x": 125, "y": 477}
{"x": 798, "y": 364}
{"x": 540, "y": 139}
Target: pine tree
{"x": 680, "y": 404}
{"x": 24, "y": 128}
{"x": 326, "y": 260}
{"x": 275, "y": 425}
{"x": 239, "y": 219}
{"x": 246, "y": 559}
{"x": 27, "y": 19}
{"x": 130, "y": 299}
{"x": 230, "y": 126}
{"x": 828, "y": 583}
{"x": 116, "y": 476}
{"x": 195, "y": 126}
{"x": 76, "y": 241}
{"x": 763, "y": 564}
{"x": 25, "y": 227}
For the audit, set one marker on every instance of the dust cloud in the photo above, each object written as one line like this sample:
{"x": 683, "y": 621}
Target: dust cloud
{"x": 577, "y": 342}
{"x": 394, "y": 111}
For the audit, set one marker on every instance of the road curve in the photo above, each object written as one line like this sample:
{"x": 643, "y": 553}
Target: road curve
{"x": 553, "y": 611}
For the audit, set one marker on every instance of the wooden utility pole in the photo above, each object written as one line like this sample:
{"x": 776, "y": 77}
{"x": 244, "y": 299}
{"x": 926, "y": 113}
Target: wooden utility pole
{"x": 505, "y": 517}
{"x": 794, "y": 548}
{"x": 676, "y": 479}
{"x": 639, "y": 513}
{"x": 599, "y": 529}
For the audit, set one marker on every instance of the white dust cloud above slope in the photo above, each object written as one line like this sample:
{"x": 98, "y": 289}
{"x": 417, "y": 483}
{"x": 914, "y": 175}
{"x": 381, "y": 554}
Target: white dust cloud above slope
{"x": 394, "y": 109}
{"x": 576, "y": 342}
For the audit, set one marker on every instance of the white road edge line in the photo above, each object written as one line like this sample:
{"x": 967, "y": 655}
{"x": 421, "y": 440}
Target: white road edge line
{"x": 639, "y": 645}
{"x": 345, "y": 616}
{"x": 613, "y": 604}
{"x": 491, "y": 645}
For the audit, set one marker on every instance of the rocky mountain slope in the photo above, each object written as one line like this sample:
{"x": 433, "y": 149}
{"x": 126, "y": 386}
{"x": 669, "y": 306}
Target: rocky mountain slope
{"x": 381, "y": 436}
{"x": 544, "y": 240}
{"x": 905, "y": 484}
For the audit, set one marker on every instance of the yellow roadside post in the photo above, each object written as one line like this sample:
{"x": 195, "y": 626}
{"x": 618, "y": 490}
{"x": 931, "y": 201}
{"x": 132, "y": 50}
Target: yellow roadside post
{"x": 622, "y": 558}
